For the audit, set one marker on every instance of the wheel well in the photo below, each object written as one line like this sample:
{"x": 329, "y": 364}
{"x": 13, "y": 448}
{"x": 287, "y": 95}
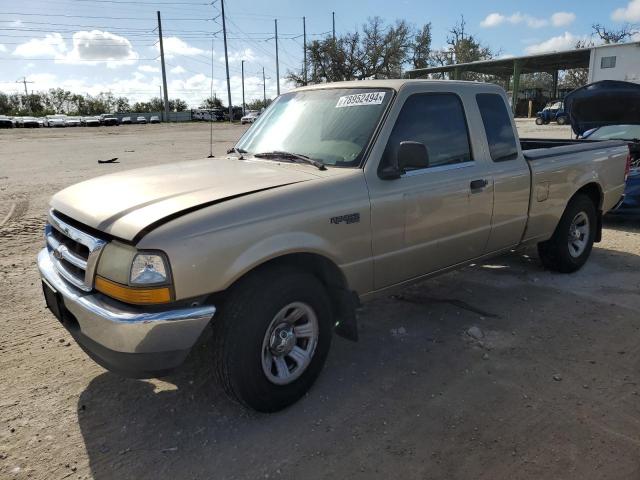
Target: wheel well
{"x": 592, "y": 190}
{"x": 323, "y": 268}
{"x": 343, "y": 301}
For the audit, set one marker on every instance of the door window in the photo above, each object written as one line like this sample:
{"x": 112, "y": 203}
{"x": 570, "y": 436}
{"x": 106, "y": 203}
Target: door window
{"x": 438, "y": 121}
{"x": 497, "y": 125}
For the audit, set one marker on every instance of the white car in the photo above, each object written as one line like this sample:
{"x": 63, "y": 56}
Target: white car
{"x": 57, "y": 120}
{"x": 249, "y": 117}
{"x": 141, "y": 119}
{"x": 74, "y": 122}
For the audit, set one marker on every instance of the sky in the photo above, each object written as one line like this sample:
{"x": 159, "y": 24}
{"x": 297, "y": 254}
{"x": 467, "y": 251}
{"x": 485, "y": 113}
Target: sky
{"x": 93, "y": 46}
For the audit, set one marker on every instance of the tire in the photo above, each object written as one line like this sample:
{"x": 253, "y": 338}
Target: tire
{"x": 539, "y": 121}
{"x": 249, "y": 329}
{"x": 562, "y": 120}
{"x": 561, "y": 253}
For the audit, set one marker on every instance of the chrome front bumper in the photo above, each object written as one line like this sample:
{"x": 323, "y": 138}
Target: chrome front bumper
{"x": 119, "y": 336}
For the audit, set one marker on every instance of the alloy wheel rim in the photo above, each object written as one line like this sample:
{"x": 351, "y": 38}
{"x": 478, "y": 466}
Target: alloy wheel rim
{"x": 289, "y": 343}
{"x": 578, "y": 234}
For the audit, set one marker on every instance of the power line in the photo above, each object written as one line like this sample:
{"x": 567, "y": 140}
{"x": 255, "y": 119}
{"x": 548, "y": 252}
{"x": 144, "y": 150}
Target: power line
{"x": 91, "y": 16}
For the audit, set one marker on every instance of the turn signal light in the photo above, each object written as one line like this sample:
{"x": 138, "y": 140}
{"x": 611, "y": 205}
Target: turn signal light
{"x": 139, "y": 296}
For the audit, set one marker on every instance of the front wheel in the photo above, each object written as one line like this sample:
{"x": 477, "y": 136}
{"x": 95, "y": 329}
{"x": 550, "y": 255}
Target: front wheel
{"x": 272, "y": 338}
{"x": 561, "y": 120}
{"x": 539, "y": 121}
{"x": 570, "y": 246}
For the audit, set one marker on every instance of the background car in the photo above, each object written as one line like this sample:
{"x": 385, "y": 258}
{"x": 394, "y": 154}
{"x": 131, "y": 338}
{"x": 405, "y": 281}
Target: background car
{"x": 250, "y": 117}
{"x": 631, "y": 133}
{"x": 109, "y": 120}
{"x": 5, "y": 122}
{"x": 141, "y": 119}
{"x": 126, "y": 121}
{"x": 58, "y": 121}
{"x": 552, "y": 112}
{"x": 154, "y": 119}
{"x": 29, "y": 122}
{"x": 74, "y": 122}
{"x": 90, "y": 121}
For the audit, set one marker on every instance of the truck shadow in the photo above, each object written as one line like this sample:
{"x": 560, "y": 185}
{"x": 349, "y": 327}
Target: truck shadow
{"x": 409, "y": 360}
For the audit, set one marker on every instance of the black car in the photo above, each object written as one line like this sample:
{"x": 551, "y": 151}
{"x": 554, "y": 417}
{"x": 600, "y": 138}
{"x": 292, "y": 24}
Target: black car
{"x": 5, "y": 122}
{"x": 610, "y": 110}
{"x": 109, "y": 120}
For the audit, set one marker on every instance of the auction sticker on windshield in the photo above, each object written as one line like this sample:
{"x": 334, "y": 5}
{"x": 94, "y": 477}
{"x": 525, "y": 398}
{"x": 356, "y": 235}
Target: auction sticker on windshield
{"x": 372, "y": 98}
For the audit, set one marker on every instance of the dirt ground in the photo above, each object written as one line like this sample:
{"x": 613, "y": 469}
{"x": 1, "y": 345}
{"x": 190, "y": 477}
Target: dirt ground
{"x": 549, "y": 390}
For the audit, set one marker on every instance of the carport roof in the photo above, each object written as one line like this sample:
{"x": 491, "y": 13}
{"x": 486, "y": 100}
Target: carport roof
{"x": 544, "y": 62}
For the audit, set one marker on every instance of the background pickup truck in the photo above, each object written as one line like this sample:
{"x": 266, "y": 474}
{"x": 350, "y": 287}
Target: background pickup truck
{"x": 336, "y": 194}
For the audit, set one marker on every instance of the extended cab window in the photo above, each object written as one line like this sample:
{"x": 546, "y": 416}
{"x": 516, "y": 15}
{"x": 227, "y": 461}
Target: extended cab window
{"x": 497, "y": 125}
{"x": 438, "y": 121}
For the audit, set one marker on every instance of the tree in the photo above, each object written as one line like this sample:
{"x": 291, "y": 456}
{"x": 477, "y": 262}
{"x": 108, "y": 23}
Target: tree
{"x": 122, "y": 105}
{"x": 258, "y": 104}
{"x": 211, "y": 102}
{"x": 613, "y": 35}
{"x": 378, "y": 51}
{"x": 462, "y": 47}
{"x": 178, "y": 105}
{"x": 422, "y": 47}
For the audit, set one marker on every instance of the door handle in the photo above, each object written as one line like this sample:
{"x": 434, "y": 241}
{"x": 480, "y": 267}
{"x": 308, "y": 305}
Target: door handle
{"x": 478, "y": 185}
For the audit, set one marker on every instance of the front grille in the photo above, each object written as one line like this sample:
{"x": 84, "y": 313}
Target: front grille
{"x": 74, "y": 252}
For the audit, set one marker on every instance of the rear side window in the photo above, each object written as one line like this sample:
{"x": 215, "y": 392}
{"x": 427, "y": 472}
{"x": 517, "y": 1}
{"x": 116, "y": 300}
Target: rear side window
{"x": 497, "y": 125}
{"x": 438, "y": 121}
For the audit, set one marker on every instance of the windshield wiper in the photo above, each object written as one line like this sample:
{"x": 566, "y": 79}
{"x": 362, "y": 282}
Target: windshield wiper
{"x": 237, "y": 150}
{"x": 292, "y": 156}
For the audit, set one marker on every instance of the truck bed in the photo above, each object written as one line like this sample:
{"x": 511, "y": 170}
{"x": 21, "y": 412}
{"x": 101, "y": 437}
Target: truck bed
{"x": 538, "y": 148}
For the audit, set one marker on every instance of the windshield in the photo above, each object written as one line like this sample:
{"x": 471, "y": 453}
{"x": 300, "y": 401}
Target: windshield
{"x": 330, "y": 125}
{"x": 618, "y": 132}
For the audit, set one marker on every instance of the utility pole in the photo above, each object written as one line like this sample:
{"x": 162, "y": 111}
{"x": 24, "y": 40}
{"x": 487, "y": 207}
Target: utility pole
{"x": 304, "y": 37}
{"x": 26, "y": 93}
{"x": 164, "y": 72}
{"x": 277, "y": 63}
{"x": 333, "y": 21}
{"x": 243, "y": 113}
{"x": 226, "y": 59}
{"x": 264, "y": 90}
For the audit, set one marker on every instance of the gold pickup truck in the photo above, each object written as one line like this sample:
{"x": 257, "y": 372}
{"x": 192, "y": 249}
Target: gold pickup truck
{"x": 336, "y": 194}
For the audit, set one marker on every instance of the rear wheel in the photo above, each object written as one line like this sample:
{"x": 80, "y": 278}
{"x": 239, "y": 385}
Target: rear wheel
{"x": 561, "y": 120}
{"x": 272, "y": 338}
{"x": 570, "y": 246}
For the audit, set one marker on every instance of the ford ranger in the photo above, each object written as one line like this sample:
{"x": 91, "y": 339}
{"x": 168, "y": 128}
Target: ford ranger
{"x": 338, "y": 193}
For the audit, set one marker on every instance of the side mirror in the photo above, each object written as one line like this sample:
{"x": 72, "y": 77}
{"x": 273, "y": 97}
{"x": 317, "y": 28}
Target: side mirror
{"x": 412, "y": 155}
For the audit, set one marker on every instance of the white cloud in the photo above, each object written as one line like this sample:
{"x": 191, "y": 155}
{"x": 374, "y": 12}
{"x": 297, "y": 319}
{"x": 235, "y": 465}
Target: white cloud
{"x": 88, "y": 48}
{"x": 3, "y": 48}
{"x": 558, "y": 19}
{"x": 566, "y": 41}
{"x": 51, "y": 45}
{"x": 148, "y": 69}
{"x": 177, "y": 70}
{"x": 176, "y": 46}
{"x": 98, "y": 46}
{"x": 236, "y": 57}
{"x": 562, "y": 19}
{"x": 630, "y": 13}
{"x": 495, "y": 19}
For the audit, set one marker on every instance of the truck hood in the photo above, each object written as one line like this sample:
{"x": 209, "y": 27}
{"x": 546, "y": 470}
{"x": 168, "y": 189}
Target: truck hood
{"x": 126, "y": 203}
{"x": 609, "y": 102}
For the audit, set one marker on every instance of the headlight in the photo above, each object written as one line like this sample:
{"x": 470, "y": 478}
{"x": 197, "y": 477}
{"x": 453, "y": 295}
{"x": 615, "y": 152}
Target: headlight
{"x": 134, "y": 277}
{"x": 148, "y": 269}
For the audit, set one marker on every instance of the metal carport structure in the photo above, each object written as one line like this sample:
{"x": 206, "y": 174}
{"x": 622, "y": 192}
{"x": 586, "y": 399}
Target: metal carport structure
{"x": 505, "y": 68}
